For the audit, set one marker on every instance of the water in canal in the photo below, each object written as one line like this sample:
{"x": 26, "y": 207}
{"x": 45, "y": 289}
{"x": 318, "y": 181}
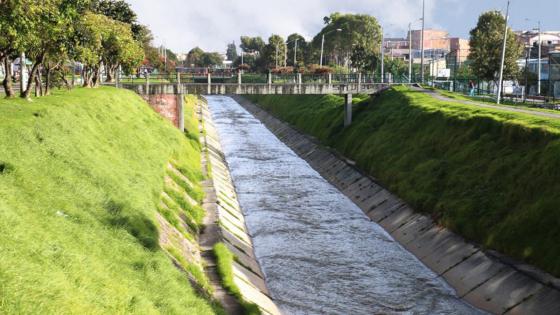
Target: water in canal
{"x": 319, "y": 252}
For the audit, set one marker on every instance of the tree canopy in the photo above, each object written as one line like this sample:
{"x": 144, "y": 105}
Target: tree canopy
{"x": 486, "y": 47}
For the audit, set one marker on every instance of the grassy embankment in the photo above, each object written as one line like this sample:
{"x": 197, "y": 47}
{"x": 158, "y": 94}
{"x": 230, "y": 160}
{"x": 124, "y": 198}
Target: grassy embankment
{"x": 81, "y": 180}
{"x": 490, "y": 175}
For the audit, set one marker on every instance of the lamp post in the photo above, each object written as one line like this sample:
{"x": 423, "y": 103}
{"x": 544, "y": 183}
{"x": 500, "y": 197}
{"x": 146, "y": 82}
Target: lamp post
{"x": 295, "y": 52}
{"x": 500, "y": 83}
{"x": 539, "y": 63}
{"x": 422, "y": 42}
{"x": 409, "y": 52}
{"x": 276, "y": 58}
{"x": 323, "y": 44}
{"x": 382, "y": 56}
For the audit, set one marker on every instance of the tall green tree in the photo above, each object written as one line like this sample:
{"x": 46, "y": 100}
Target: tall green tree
{"x": 486, "y": 47}
{"x": 356, "y": 30}
{"x": 274, "y": 53}
{"x": 194, "y": 57}
{"x": 303, "y": 50}
{"x": 211, "y": 59}
{"x": 15, "y": 25}
{"x": 51, "y": 25}
{"x": 120, "y": 49}
{"x": 231, "y": 51}
{"x": 252, "y": 44}
{"x": 364, "y": 60}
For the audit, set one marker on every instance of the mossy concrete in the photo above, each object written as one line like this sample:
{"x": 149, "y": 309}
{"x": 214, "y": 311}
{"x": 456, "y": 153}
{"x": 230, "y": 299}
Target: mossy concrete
{"x": 231, "y": 228}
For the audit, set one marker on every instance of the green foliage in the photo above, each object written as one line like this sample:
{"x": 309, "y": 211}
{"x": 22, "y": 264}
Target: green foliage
{"x": 252, "y": 44}
{"x": 225, "y": 260}
{"x": 231, "y": 51}
{"x": 489, "y": 175}
{"x": 82, "y": 176}
{"x": 358, "y": 30}
{"x": 486, "y": 47}
{"x": 363, "y": 59}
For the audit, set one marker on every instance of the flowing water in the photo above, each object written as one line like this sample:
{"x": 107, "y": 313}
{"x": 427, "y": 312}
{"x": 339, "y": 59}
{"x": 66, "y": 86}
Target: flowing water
{"x": 319, "y": 252}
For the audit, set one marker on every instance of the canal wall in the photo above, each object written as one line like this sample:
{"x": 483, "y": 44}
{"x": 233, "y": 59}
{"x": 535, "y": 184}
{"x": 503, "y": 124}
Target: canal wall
{"x": 485, "y": 279}
{"x": 228, "y": 222}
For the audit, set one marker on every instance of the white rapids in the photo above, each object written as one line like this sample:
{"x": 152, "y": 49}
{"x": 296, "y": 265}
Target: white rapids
{"x": 319, "y": 252}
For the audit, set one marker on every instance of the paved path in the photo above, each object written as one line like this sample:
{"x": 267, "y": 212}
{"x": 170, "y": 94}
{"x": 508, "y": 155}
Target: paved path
{"x": 499, "y": 107}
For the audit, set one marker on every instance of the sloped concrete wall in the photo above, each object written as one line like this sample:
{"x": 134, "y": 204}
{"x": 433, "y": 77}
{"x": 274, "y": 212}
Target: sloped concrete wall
{"x": 483, "y": 278}
{"x": 248, "y": 275}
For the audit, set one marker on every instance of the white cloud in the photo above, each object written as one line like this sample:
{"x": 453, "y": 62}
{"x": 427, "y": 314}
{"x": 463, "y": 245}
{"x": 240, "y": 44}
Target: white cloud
{"x": 211, "y": 24}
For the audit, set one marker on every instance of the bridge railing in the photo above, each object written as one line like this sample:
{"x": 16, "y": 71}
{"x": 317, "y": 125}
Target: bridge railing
{"x": 261, "y": 78}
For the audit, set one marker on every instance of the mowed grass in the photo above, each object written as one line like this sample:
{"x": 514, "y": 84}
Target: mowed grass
{"x": 81, "y": 173}
{"x": 489, "y": 175}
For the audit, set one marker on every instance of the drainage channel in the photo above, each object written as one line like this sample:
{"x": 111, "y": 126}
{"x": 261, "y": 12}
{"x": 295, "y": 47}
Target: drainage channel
{"x": 320, "y": 254}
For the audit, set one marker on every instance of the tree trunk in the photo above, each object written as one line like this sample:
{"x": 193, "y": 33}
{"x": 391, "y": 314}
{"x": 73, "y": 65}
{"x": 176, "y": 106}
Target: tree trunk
{"x": 38, "y": 86}
{"x": 7, "y": 83}
{"x": 32, "y": 75}
{"x": 110, "y": 76}
{"x": 68, "y": 85}
{"x": 48, "y": 81}
{"x": 96, "y": 76}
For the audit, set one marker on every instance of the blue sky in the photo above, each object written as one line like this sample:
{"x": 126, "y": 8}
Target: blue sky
{"x": 210, "y": 24}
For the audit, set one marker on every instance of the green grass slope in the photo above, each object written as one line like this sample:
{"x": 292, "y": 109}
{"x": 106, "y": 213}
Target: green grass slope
{"x": 490, "y": 175}
{"x": 81, "y": 174}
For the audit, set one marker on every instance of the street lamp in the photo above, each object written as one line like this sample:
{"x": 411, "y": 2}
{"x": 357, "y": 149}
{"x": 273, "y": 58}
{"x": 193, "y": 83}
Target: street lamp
{"x": 500, "y": 83}
{"x": 383, "y": 54}
{"x": 286, "y": 52}
{"x": 323, "y": 44}
{"x": 539, "y": 62}
{"x": 422, "y": 40}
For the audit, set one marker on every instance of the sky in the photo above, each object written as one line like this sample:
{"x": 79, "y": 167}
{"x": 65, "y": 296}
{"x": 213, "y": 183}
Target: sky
{"x": 181, "y": 25}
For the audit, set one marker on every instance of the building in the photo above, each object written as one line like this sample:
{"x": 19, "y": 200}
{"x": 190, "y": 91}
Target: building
{"x": 460, "y": 49}
{"x": 433, "y": 39}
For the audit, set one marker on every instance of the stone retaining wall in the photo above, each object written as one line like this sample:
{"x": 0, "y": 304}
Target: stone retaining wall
{"x": 483, "y": 278}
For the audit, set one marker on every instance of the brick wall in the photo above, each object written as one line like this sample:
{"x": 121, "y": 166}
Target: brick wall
{"x": 165, "y": 105}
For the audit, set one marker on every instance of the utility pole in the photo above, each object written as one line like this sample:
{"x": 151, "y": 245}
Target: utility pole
{"x": 295, "y": 52}
{"x": 500, "y": 83}
{"x": 382, "y": 56}
{"x": 539, "y": 63}
{"x": 322, "y": 47}
{"x": 409, "y": 52}
{"x": 422, "y": 40}
{"x": 276, "y": 58}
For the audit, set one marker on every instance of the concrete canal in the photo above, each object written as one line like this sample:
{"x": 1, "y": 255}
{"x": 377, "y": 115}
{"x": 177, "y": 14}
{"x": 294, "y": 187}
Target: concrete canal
{"x": 320, "y": 254}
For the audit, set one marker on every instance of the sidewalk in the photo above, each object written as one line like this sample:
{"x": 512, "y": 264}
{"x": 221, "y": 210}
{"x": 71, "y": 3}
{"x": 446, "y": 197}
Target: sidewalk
{"x": 440, "y": 97}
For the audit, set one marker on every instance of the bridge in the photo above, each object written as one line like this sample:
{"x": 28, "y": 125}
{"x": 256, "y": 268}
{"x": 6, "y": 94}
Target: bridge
{"x": 166, "y": 96}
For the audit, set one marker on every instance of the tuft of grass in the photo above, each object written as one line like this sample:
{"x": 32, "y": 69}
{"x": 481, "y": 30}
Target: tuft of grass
{"x": 490, "y": 175}
{"x": 78, "y": 204}
{"x": 225, "y": 259}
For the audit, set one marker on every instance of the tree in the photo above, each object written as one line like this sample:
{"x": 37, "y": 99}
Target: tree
{"x": 231, "y": 51}
{"x": 194, "y": 57}
{"x": 273, "y": 53}
{"x": 486, "y": 47}
{"x": 89, "y": 51}
{"x": 15, "y": 24}
{"x": 252, "y": 44}
{"x": 120, "y": 49}
{"x": 212, "y": 59}
{"x": 364, "y": 60}
{"x": 302, "y": 50}
{"x": 357, "y": 30}
{"x": 117, "y": 10}
{"x": 51, "y": 25}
